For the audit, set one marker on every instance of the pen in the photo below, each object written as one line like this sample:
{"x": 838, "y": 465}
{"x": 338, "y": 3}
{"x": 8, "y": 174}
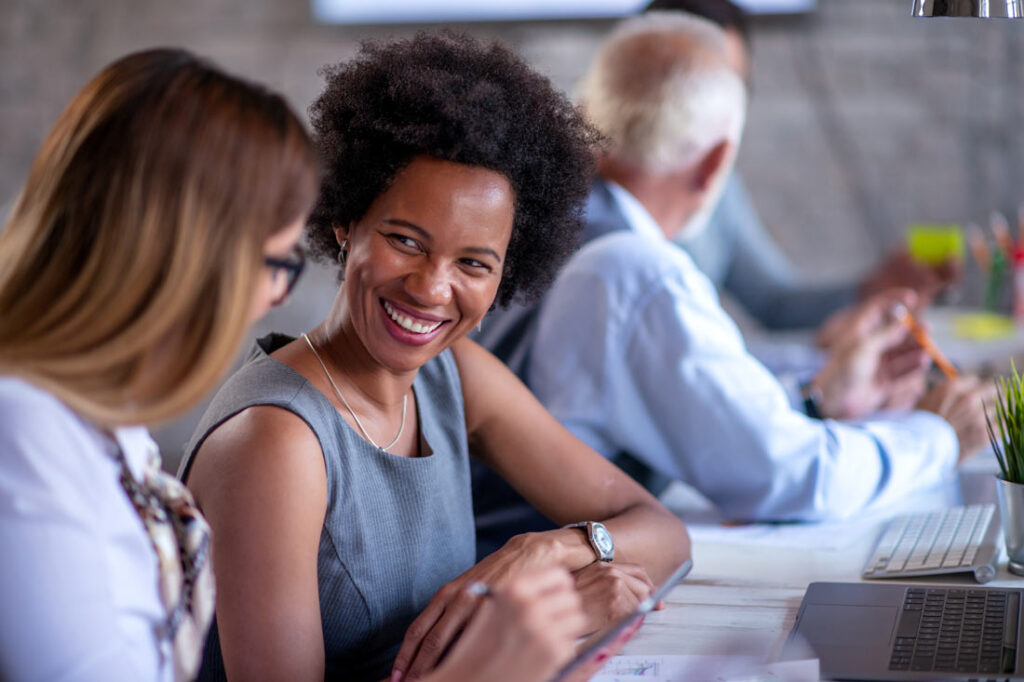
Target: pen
{"x": 901, "y": 313}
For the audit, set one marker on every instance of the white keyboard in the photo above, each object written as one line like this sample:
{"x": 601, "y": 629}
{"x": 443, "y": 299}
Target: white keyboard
{"x": 954, "y": 540}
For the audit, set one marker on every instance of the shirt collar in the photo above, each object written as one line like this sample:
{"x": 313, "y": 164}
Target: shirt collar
{"x": 138, "y": 448}
{"x": 639, "y": 219}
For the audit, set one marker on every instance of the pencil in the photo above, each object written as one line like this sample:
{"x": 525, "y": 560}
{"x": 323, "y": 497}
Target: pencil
{"x": 979, "y": 247}
{"x": 1001, "y": 231}
{"x": 1020, "y": 225}
{"x": 901, "y": 313}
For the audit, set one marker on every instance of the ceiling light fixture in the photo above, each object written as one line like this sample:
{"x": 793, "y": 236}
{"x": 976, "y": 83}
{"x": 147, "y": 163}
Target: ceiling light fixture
{"x": 1004, "y": 9}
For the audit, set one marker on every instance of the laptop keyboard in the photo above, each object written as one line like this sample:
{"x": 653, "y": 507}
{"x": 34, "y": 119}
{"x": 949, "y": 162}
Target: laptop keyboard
{"x": 948, "y": 541}
{"x": 957, "y": 630}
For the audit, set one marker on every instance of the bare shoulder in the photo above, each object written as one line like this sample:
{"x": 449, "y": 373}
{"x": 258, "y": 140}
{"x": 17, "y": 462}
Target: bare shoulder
{"x": 466, "y": 350}
{"x": 478, "y": 368}
{"x": 484, "y": 377}
{"x": 261, "y": 451}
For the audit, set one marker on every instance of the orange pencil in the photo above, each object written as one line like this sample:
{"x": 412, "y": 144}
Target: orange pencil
{"x": 901, "y": 313}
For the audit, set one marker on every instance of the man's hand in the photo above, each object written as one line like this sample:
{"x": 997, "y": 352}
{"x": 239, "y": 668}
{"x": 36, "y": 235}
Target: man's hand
{"x": 962, "y": 403}
{"x": 899, "y": 269}
{"x": 873, "y": 362}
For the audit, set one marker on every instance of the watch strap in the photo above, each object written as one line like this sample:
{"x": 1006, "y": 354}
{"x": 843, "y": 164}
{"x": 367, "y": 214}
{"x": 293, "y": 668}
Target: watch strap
{"x": 812, "y": 397}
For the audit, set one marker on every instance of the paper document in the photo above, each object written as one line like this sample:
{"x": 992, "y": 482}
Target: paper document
{"x": 706, "y": 669}
{"x": 828, "y": 536}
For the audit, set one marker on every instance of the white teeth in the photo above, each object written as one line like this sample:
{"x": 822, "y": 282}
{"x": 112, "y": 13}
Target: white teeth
{"x": 407, "y": 323}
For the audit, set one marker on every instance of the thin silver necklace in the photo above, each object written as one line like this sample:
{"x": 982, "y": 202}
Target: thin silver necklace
{"x": 348, "y": 407}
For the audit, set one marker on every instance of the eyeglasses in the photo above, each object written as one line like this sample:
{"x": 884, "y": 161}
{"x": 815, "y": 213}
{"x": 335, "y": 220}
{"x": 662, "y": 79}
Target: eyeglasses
{"x": 292, "y": 267}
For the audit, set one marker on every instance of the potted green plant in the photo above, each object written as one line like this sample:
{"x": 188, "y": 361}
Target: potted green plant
{"x": 1007, "y": 438}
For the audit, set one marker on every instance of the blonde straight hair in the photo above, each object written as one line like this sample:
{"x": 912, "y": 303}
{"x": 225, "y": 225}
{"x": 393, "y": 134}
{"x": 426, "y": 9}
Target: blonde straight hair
{"x": 130, "y": 259}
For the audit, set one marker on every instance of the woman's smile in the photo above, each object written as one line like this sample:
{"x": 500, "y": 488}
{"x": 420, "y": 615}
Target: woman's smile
{"x": 410, "y": 327}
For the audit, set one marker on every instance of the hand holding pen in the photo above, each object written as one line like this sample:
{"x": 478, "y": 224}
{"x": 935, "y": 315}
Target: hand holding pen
{"x": 960, "y": 400}
{"x": 924, "y": 339}
{"x": 525, "y": 629}
{"x": 872, "y": 362}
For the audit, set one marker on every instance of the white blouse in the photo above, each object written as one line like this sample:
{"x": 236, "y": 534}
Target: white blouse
{"x": 79, "y": 593}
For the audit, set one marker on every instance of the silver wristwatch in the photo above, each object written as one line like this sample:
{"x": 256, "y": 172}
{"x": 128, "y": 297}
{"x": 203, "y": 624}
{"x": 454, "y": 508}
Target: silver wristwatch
{"x": 599, "y": 537}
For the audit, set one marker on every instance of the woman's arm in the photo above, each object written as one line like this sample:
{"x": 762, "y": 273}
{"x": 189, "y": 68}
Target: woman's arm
{"x": 568, "y": 482}
{"x": 260, "y": 480}
{"x": 561, "y": 476}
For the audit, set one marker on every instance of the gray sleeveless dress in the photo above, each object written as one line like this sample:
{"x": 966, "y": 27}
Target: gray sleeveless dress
{"x": 396, "y": 528}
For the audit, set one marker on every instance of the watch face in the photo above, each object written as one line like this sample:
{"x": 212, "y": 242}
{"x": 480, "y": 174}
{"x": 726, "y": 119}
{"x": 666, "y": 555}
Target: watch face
{"x": 603, "y": 540}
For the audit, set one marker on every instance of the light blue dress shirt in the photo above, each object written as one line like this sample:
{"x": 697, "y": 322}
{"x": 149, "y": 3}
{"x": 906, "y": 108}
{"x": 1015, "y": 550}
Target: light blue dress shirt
{"x": 634, "y": 353}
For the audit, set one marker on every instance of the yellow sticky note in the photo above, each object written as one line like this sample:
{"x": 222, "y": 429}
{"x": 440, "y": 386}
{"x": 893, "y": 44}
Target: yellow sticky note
{"x": 983, "y": 326}
{"x": 934, "y": 244}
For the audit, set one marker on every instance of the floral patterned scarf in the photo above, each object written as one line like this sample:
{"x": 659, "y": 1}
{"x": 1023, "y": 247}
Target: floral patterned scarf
{"x": 181, "y": 538}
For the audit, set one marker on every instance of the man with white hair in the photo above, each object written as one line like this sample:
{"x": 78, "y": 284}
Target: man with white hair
{"x": 632, "y": 351}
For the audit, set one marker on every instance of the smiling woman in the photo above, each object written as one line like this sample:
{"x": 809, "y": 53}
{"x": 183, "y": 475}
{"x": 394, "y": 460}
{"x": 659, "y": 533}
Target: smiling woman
{"x": 334, "y": 468}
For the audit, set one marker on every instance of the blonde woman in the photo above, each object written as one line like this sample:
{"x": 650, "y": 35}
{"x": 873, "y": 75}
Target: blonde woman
{"x": 159, "y": 219}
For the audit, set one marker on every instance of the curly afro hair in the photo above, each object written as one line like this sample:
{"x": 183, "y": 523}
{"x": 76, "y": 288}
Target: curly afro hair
{"x": 452, "y": 98}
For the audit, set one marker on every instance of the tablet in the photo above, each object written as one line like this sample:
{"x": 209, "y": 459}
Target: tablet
{"x": 603, "y": 638}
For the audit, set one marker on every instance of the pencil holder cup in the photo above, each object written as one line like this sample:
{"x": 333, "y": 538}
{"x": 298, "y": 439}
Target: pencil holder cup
{"x": 1007, "y": 438}
{"x": 1011, "y": 513}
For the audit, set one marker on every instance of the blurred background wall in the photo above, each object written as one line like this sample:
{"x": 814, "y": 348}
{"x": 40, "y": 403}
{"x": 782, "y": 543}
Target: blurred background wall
{"x": 863, "y": 119}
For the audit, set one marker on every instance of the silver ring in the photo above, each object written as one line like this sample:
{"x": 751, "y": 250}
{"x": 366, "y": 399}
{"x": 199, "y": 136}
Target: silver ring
{"x": 479, "y": 589}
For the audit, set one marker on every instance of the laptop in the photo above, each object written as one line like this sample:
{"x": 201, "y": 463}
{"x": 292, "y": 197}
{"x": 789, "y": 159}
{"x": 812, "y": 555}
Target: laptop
{"x": 870, "y": 631}
{"x": 602, "y": 638}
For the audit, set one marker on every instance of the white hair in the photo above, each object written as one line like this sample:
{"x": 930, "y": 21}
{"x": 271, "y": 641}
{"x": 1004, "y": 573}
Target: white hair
{"x": 662, "y": 91}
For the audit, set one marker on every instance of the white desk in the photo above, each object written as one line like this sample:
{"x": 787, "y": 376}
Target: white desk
{"x": 988, "y": 356}
{"x": 747, "y": 583}
{"x": 743, "y": 596}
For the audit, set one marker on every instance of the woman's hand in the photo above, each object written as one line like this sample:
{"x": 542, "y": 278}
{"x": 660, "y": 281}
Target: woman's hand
{"x": 526, "y": 630}
{"x": 611, "y": 591}
{"x": 599, "y": 658}
{"x": 434, "y": 630}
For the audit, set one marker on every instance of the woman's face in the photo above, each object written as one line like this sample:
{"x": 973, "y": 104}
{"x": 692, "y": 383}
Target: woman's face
{"x": 424, "y": 263}
{"x": 272, "y": 283}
